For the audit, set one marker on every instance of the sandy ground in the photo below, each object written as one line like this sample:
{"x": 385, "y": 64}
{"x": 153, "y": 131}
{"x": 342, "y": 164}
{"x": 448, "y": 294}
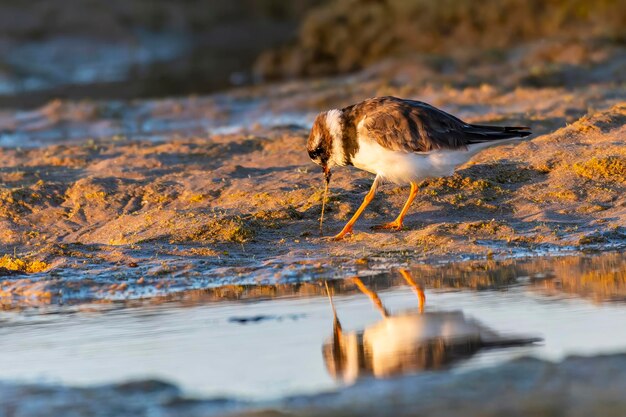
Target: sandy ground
{"x": 124, "y": 200}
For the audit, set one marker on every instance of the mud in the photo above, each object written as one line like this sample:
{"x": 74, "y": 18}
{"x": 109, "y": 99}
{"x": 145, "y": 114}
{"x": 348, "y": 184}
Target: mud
{"x": 123, "y": 200}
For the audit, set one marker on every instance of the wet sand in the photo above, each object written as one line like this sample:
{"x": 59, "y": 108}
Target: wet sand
{"x": 108, "y": 206}
{"x": 129, "y": 200}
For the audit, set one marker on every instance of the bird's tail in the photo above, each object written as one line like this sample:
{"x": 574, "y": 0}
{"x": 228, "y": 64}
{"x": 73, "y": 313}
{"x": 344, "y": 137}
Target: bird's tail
{"x": 482, "y": 133}
{"x": 509, "y": 342}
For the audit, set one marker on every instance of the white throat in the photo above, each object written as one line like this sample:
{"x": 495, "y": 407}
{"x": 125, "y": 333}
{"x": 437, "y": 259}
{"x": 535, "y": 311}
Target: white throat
{"x": 335, "y": 127}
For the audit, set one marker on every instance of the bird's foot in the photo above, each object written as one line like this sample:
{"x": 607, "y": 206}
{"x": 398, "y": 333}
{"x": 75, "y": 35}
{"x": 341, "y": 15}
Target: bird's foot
{"x": 395, "y": 225}
{"x": 339, "y": 236}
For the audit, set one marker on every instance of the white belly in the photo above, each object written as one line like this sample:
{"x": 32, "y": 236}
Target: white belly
{"x": 392, "y": 339}
{"x": 403, "y": 167}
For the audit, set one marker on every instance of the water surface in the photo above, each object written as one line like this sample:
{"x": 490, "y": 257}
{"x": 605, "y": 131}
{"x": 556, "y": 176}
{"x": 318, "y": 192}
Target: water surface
{"x": 264, "y": 347}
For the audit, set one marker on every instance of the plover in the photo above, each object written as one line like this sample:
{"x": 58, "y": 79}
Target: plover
{"x": 400, "y": 141}
{"x": 408, "y": 341}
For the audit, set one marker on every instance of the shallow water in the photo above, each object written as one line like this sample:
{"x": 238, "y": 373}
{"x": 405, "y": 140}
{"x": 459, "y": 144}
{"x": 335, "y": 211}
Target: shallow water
{"x": 263, "y": 347}
{"x": 79, "y": 122}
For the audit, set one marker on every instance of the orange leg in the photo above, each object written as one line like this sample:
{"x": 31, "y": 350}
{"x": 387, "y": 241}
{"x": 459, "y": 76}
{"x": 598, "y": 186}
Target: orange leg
{"x": 368, "y": 199}
{"x": 372, "y": 295}
{"x": 397, "y": 223}
{"x": 421, "y": 297}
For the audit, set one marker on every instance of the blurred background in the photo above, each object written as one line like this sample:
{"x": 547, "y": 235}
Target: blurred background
{"x": 153, "y": 48}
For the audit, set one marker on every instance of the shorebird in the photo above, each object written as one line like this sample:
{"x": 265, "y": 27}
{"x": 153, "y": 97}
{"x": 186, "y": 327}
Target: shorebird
{"x": 400, "y": 141}
{"x": 408, "y": 341}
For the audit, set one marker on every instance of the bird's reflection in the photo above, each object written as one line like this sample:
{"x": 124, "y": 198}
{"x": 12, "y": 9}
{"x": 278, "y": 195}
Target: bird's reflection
{"x": 408, "y": 342}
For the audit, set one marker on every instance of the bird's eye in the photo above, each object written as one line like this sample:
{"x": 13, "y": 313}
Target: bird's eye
{"x": 315, "y": 153}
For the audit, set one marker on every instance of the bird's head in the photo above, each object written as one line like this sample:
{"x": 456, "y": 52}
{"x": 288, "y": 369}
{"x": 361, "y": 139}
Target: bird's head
{"x": 324, "y": 142}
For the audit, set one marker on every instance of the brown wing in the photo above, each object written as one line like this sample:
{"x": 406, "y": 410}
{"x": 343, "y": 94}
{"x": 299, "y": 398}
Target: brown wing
{"x": 414, "y": 126}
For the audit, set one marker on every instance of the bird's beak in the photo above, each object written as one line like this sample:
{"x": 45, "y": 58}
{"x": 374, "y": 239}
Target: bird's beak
{"x": 326, "y": 170}
{"x": 327, "y": 173}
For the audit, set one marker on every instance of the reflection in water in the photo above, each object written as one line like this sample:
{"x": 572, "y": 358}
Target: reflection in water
{"x": 407, "y": 342}
{"x": 266, "y": 342}
{"x": 599, "y": 277}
